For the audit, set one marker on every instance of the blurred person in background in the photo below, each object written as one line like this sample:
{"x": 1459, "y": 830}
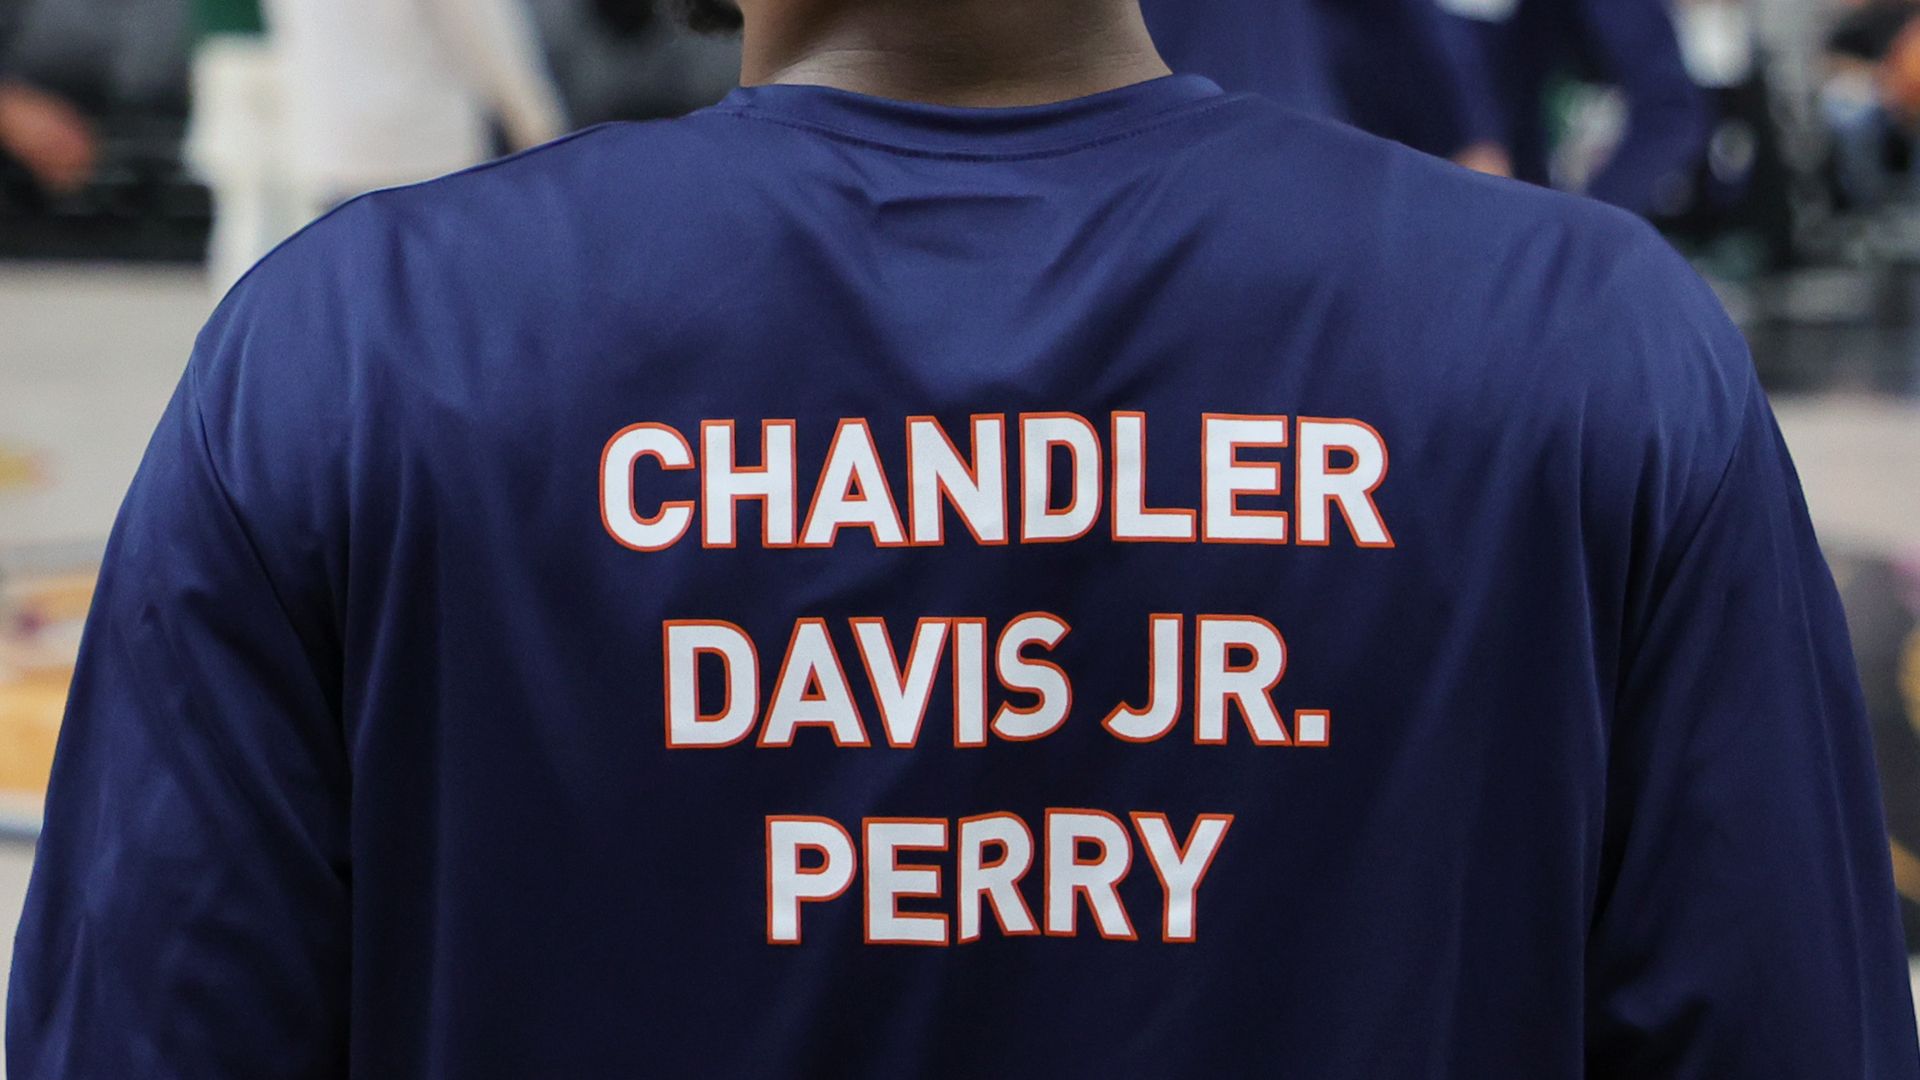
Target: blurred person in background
{"x": 66, "y": 63}
{"x": 237, "y": 139}
{"x": 1871, "y": 98}
{"x": 49, "y": 135}
{"x": 1740, "y": 214}
{"x": 1411, "y": 74}
{"x": 1531, "y": 48}
{"x": 1396, "y": 68}
{"x": 626, "y": 60}
{"x": 387, "y": 92}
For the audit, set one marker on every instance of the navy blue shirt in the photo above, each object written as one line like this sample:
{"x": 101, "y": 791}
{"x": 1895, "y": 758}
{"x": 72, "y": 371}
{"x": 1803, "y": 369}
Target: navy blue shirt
{"x": 694, "y": 600}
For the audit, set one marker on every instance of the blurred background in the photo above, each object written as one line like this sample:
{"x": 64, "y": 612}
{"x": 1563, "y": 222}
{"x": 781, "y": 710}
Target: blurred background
{"x": 152, "y": 150}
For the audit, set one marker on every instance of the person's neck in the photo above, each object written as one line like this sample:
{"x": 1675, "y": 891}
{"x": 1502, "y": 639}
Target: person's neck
{"x": 977, "y": 53}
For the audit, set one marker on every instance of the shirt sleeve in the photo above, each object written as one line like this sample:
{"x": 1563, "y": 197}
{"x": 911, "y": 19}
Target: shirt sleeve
{"x": 1745, "y": 920}
{"x": 188, "y": 913}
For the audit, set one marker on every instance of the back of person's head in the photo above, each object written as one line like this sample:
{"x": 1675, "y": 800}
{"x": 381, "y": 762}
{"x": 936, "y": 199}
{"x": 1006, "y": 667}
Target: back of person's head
{"x": 709, "y": 16}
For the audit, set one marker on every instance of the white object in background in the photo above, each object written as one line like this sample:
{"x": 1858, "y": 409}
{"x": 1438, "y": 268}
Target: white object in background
{"x": 1915, "y": 962}
{"x": 1717, "y": 40}
{"x": 497, "y": 45}
{"x": 385, "y": 92}
{"x": 237, "y": 143}
{"x": 1596, "y": 123}
{"x": 1481, "y": 10}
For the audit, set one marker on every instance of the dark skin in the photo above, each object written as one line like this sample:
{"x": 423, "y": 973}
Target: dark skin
{"x": 980, "y": 53}
{"x": 972, "y": 53}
